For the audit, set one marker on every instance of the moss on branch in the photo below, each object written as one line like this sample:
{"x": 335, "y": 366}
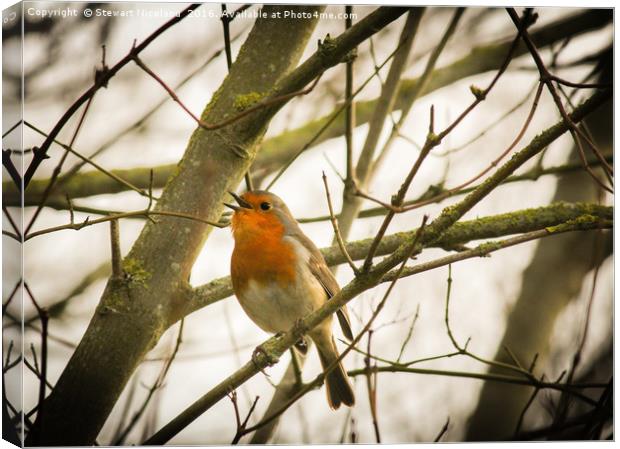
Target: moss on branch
{"x": 552, "y": 217}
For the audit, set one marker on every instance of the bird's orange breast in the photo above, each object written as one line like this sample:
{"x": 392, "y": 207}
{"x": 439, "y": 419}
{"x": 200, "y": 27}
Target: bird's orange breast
{"x": 261, "y": 254}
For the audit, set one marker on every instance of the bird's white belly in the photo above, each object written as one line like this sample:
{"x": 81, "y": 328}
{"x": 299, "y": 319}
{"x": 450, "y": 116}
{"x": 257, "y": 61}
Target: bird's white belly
{"x": 276, "y": 308}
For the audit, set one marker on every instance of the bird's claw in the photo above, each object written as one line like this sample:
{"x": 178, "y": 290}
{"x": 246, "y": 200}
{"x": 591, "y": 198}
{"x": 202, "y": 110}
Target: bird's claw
{"x": 270, "y": 360}
{"x": 299, "y": 327}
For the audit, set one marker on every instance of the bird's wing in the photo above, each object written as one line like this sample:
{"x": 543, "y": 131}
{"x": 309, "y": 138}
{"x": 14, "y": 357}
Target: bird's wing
{"x": 321, "y": 272}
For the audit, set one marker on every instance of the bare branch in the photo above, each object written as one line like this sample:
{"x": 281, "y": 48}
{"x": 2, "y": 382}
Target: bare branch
{"x": 139, "y": 213}
{"x": 443, "y": 431}
{"x": 339, "y": 239}
{"x": 100, "y": 82}
{"x": 58, "y": 167}
{"x": 211, "y": 127}
{"x": 547, "y": 79}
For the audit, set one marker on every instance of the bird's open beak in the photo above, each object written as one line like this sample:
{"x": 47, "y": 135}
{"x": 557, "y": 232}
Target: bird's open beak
{"x": 243, "y": 203}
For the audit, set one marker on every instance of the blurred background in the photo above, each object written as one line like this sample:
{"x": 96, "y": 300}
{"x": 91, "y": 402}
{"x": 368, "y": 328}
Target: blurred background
{"x": 533, "y": 297}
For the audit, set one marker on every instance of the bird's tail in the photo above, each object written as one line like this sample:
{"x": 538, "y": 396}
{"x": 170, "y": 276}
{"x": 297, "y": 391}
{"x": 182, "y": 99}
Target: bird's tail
{"x": 337, "y": 384}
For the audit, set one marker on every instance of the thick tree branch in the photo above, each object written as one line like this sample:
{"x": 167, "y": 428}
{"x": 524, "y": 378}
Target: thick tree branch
{"x": 494, "y": 226}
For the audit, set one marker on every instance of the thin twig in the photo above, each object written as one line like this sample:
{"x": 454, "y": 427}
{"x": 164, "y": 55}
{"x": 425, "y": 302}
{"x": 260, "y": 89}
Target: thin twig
{"x": 296, "y": 367}
{"x": 11, "y": 221}
{"x": 8, "y": 164}
{"x": 236, "y": 350}
{"x": 446, "y": 315}
{"x": 443, "y": 431}
{"x": 58, "y": 168}
{"x": 409, "y": 333}
{"x": 526, "y": 407}
{"x": 580, "y": 85}
{"x": 36, "y": 372}
{"x": 100, "y": 81}
{"x": 11, "y": 295}
{"x": 126, "y": 406}
{"x": 547, "y": 78}
{"x": 514, "y": 358}
{"x": 87, "y": 160}
{"x": 141, "y": 213}
{"x": 226, "y": 19}
{"x": 35, "y": 359}
{"x": 8, "y": 356}
{"x": 498, "y": 121}
{"x": 12, "y": 365}
{"x": 339, "y": 239}
{"x": 371, "y": 385}
{"x": 43, "y": 316}
{"x": 211, "y": 127}
{"x": 226, "y": 29}
{"x": 12, "y": 128}
{"x": 241, "y": 426}
{"x": 156, "y": 386}
{"x": 238, "y": 11}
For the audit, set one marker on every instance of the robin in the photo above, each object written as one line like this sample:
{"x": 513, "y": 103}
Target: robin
{"x": 279, "y": 276}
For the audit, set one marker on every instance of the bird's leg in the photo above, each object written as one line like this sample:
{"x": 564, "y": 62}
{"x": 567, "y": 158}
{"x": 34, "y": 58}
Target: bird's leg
{"x": 257, "y": 351}
{"x": 299, "y": 327}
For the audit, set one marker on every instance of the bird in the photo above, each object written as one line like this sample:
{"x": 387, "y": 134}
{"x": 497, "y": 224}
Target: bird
{"x": 279, "y": 276}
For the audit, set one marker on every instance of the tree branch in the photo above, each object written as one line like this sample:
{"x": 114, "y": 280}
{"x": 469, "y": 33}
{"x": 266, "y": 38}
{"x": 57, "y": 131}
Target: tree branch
{"x": 100, "y": 81}
{"x": 276, "y": 150}
{"x": 494, "y": 226}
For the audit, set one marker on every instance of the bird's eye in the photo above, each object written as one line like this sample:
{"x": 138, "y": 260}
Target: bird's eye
{"x": 265, "y": 205}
